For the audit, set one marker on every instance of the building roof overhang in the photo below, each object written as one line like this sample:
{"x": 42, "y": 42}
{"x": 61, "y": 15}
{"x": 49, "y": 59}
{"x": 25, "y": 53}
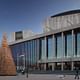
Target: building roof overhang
{"x": 67, "y": 13}
{"x": 46, "y": 34}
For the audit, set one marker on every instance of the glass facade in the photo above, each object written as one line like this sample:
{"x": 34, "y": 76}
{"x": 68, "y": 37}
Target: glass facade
{"x": 28, "y": 51}
{"x": 32, "y": 52}
{"x": 18, "y": 51}
{"x": 48, "y": 47}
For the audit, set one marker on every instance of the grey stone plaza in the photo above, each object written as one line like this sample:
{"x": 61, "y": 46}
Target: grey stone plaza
{"x": 39, "y": 77}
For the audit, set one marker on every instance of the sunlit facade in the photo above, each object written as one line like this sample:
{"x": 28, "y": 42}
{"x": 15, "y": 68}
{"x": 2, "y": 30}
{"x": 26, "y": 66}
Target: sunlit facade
{"x": 54, "y": 50}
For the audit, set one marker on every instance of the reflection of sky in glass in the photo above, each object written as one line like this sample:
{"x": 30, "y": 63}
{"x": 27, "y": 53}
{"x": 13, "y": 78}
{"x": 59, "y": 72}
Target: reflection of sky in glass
{"x": 35, "y": 51}
{"x": 78, "y": 44}
{"x": 28, "y": 53}
{"x": 43, "y": 49}
{"x": 59, "y": 47}
{"x": 29, "y": 48}
{"x": 69, "y": 45}
{"x": 50, "y": 48}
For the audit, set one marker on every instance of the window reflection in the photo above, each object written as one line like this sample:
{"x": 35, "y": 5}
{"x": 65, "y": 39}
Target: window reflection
{"x": 50, "y": 47}
{"x": 69, "y": 45}
{"x": 59, "y": 46}
{"x": 43, "y": 48}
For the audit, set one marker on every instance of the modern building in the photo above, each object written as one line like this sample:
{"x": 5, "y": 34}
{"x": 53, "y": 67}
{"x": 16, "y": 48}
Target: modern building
{"x": 56, "y": 49}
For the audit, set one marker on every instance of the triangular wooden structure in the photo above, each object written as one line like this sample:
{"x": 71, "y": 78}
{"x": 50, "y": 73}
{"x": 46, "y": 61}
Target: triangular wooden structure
{"x": 7, "y": 66}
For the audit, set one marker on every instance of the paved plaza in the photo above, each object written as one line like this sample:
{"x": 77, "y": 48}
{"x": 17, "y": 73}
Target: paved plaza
{"x": 38, "y": 77}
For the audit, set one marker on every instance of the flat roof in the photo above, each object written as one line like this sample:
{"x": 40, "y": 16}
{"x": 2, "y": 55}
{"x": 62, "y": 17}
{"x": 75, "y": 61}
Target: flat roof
{"x": 46, "y": 34}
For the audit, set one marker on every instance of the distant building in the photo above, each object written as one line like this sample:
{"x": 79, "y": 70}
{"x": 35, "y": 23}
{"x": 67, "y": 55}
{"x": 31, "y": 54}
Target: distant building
{"x": 58, "y": 48}
{"x": 21, "y": 35}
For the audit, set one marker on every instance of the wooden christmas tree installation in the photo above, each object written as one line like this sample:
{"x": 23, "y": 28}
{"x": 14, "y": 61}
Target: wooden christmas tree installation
{"x": 7, "y": 66}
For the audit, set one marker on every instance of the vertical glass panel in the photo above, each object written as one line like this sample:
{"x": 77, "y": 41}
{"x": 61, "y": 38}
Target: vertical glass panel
{"x": 36, "y": 46}
{"x": 22, "y": 47}
{"x": 74, "y": 40}
{"x": 64, "y": 52}
{"x": 32, "y": 52}
{"x": 69, "y": 45}
{"x": 14, "y": 53}
{"x": 53, "y": 46}
{"x": 29, "y": 53}
{"x": 26, "y": 51}
{"x": 59, "y": 46}
{"x": 37, "y": 49}
{"x": 50, "y": 47}
{"x": 21, "y": 55}
{"x": 42, "y": 48}
{"x": 78, "y": 44}
{"x": 75, "y": 43}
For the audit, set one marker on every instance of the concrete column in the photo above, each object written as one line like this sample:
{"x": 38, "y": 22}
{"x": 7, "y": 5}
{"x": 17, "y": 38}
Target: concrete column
{"x": 72, "y": 66}
{"x": 45, "y": 53}
{"x": 62, "y": 44}
{"x": 44, "y": 66}
{"x": 53, "y": 46}
{"x": 45, "y": 48}
{"x": 72, "y": 43}
{"x": 53, "y": 64}
{"x": 62, "y": 66}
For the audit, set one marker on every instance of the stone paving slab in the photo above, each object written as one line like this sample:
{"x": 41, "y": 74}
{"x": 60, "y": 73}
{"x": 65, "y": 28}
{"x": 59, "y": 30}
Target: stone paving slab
{"x": 38, "y": 77}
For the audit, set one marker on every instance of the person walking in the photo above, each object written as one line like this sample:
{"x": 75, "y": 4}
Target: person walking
{"x": 77, "y": 74}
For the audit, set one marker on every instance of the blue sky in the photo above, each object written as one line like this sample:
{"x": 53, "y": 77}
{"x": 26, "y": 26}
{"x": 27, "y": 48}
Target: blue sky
{"x": 18, "y": 15}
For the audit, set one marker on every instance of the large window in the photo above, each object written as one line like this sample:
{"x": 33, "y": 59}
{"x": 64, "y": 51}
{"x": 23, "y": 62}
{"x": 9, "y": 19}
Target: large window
{"x": 32, "y": 52}
{"x": 18, "y": 35}
{"x": 18, "y": 52}
{"x": 50, "y": 47}
{"x": 43, "y": 55}
{"x": 59, "y": 46}
{"x": 14, "y": 53}
{"x": 26, "y": 51}
{"x": 29, "y": 53}
{"x": 68, "y": 44}
{"x": 78, "y": 43}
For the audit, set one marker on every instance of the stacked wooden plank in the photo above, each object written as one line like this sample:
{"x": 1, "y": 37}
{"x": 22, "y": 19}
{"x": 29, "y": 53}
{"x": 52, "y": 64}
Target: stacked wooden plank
{"x": 7, "y": 66}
